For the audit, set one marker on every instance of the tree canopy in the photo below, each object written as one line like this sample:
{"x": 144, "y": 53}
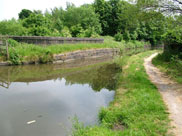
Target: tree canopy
{"x": 155, "y": 21}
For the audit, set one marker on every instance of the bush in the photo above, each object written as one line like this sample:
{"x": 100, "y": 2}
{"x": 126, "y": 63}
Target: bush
{"x": 37, "y": 25}
{"x": 173, "y": 41}
{"x": 15, "y": 57}
{"x": 77, "y": 31}
{"x": 126, "y": 36}
{"x": 118, "y": 37}
{"x": 46, "y": 57}
{"x": 174, "y": 37}
{"x": 39, "y": 31}
{"x": 12, "y": 27}
{"x": 12, "y": 42}
{"x": 65, "y": 32}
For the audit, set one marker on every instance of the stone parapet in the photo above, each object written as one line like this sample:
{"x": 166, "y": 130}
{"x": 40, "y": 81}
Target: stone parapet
{"x": 42, "y": 40}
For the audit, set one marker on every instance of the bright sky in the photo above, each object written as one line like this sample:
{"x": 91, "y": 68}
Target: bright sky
{"x": 10, "y": 8}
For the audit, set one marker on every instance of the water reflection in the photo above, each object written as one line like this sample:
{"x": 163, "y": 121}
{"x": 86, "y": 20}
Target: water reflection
{"x": 51, "y": 94}
{"x": 98, "y": 76}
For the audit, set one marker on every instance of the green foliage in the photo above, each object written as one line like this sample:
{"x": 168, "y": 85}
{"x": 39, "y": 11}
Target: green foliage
{"x": 83, "y": 16}
{"x": 126, "y": 36}
{"x": 152, "y": 27}
{"x": 25, "y": 13}
{"x": 116, "y": 16}
{"x": 65, "y": 32}
{"x": 102, "y": 17}
{"x": 39, "y": 31}
{"x": 173, "y": 40}
{"x": 12, "y": 27}
{"x": 118, "y": 37}
{"x": 170, "y": 64}
{"x": 172, "y": 37}
{"x": 15, "y": 57}
{"x": 32, "y": 53}
{"x": 76, "y": 30}
{"x": 37, "y": 25}
{"x": 12, "y": 43}
{"x": 46, "y": 57}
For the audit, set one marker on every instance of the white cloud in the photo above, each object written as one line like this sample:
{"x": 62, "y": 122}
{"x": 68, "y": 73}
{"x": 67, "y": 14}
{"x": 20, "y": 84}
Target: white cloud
{"x": 11, "y": 8}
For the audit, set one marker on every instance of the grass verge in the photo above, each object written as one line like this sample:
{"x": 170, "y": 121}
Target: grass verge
{"x": 137, "y": 109}
{"x": 28, "y": 52}
{"x": 171, "y": 66}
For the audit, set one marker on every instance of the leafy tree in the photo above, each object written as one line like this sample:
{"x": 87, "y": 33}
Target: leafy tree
{"x": 128, "y": 21}
{"x": 116, "y": 16}
{"x": 167, "y": 6}
{"x": 152, "y": 27}
{"x": 83, "y": 16}
{"x": 65, "y": 32}
{"x": 12, "y": 27}
{"x": 37, "y": 25}
{"x": 173, "y": 31}
{"x": 76, "y": 30}
{"x": 103, "y": 9}
{"x": 25, "y": 13}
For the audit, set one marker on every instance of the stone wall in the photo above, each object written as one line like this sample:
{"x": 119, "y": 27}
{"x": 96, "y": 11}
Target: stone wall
{"x": 41, "y": 40}
{"x": 87, "y": 55}
{"x": 84, "y": 55}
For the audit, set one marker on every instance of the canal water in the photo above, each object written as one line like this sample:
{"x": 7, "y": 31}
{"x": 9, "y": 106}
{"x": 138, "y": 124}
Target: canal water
{"x": 42, "y": 100}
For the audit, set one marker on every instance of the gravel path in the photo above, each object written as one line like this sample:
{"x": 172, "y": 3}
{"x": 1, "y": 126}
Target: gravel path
{"x": 171, "y": 93}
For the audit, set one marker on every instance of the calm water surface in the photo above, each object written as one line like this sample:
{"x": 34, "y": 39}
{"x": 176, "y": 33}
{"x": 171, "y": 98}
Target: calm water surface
{"x": 51, "y": 95}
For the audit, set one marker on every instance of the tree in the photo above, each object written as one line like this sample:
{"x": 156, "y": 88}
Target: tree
{"x": 117, "y": 16}
{"x": 82, "y": 17}
{"x": 37, "y": 24}
{"x": 173, "y": 34}
{"x": 103, "y": 9}
{"x": 12, "y": 27}
{"x": 25, "y": 13}
{"x": 167, "y": 6}
{"x": 56, "y": 16}
{"x": 152, "y": 27}
{"x": 128, "y": 21}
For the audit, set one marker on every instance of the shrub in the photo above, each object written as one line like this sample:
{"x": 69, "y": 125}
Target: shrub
{"x": 15, "y": 58}
{"x": 12, "y": 42}
{"x": 173, "y": 41}
{"x": 126, "y": 36}
{"x": 65, "y": 32}
{"x": 12, "y": 27}
{"x": 118, "y": 37}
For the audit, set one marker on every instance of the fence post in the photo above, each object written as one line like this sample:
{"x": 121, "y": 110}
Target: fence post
{"x": 7, "y": 51}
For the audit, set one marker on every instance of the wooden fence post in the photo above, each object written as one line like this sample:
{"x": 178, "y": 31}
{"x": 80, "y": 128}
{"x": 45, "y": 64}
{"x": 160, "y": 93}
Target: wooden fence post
{"x": 7, "y": 51}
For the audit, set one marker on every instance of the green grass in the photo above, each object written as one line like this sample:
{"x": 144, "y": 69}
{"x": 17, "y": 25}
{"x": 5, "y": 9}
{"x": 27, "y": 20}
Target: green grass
{"x": 28, "y": 52}
{"x": 137, "y": 107}
{"x": 172, "y": 66}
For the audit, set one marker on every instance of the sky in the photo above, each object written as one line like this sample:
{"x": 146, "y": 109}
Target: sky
{"x": 10, "y": 8}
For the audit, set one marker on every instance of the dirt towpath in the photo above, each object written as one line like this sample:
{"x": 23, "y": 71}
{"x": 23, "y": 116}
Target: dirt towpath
{"x": 171, "y": 93}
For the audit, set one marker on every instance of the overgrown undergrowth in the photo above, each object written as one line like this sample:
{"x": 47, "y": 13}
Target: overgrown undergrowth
{"x": 137, "y": 109}
{"x": 171, "y": 65}
{"x": 20, "y": 53}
